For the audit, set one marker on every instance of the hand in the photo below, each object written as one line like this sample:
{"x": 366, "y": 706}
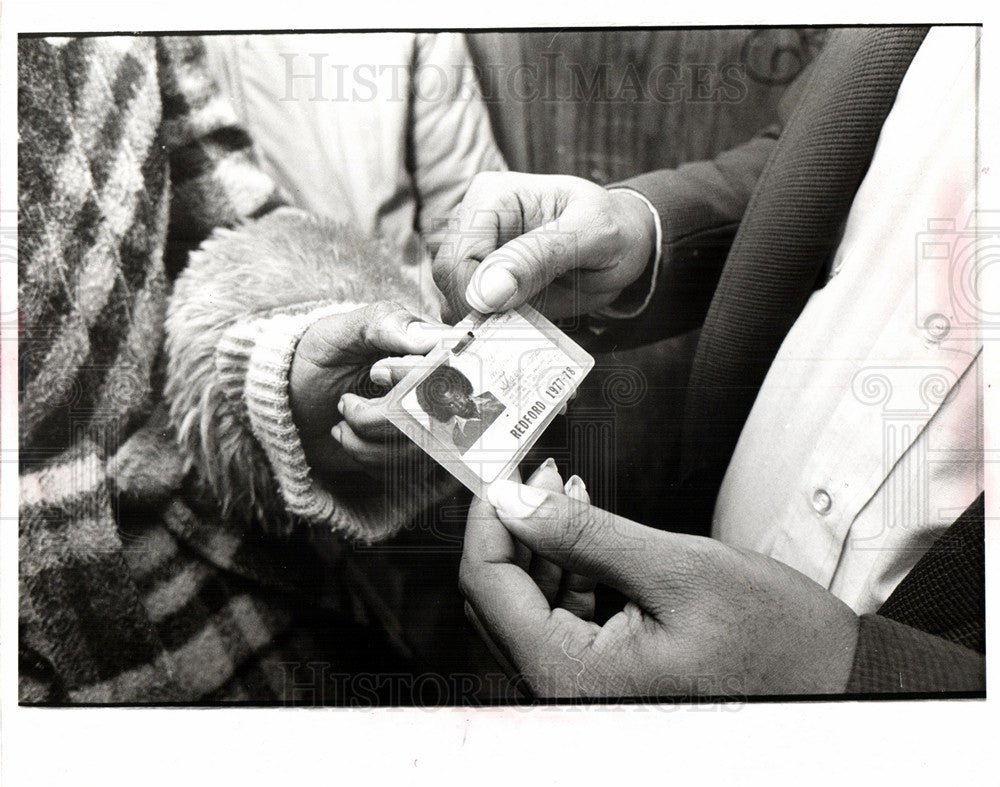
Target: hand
{"x": 365, "y": 435}
{"x": 703, "y": 618}
{"x": 571, "y": 242}
{"x": 331, "y": 366}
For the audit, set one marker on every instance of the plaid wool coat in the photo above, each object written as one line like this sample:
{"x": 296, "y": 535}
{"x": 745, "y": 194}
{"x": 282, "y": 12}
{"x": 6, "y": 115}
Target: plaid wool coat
{"x": 132, "y": 588}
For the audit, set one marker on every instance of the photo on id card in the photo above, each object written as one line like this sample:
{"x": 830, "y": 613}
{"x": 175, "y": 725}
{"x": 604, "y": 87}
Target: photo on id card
{"x": 487, "y": 393}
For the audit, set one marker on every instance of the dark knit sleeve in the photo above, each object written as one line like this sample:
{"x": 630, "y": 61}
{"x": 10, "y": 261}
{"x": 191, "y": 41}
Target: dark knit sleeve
{"x": 892, "y": 657}
{"x": 930, "y": 634}
{"x": 700, "y": 206}
{"x": 214, "y": 179}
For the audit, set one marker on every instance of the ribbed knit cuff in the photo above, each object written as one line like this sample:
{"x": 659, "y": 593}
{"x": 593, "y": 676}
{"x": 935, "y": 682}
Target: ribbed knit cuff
{"x": 254, "y": 360}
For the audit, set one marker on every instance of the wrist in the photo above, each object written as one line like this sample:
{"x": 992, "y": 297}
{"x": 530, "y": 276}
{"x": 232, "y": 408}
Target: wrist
{"x": 825, "y": 652}
{"x": 643, "y": 254}
{"x": 302, "y": 376}
{"x": 313, "y": 405}
{"x": 640, "y": 232}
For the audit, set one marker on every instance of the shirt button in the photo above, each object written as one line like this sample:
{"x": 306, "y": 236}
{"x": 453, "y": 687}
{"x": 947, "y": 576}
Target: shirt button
{"x": 822, "y": 501}
{"x": 937, "y": 327}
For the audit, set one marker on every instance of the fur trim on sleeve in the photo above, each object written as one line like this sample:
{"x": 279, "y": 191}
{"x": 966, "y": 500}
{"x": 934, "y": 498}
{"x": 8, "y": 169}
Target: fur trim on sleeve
{"x": 285, "y": 263}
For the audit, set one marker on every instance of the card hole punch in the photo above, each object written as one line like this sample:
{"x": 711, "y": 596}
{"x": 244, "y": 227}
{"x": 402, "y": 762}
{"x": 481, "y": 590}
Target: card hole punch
{"x": 463, "y": 343}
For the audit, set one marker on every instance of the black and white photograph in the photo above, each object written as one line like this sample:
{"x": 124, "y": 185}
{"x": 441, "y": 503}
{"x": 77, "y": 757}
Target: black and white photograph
{"x": 447, "y": 397}
{"x": 481, "y": 401}
{"x": 493, "y": 372}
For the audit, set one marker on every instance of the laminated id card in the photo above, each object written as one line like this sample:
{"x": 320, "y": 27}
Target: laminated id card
{"x": 488, "y": 392}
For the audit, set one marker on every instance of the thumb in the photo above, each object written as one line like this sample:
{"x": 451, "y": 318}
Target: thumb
{"x": 376, "y": 330}
{"x": 585, "y": 539}
{"x": 390, "y": 371}
{"x": 521, "y": 268}
{"x": 390, "y": 328}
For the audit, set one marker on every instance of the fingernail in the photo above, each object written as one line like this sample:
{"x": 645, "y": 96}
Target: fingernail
{"x": 491, "y": 287}
{"x": 335, "y": 432}
{"x": 575, "y": 487}
{"x": 381, "y": 376}
{"x": 515, "y": 501}
{"x": 422, "y": 332}
{"x": 548, "y": 464}
{"x": 341, "y": 406}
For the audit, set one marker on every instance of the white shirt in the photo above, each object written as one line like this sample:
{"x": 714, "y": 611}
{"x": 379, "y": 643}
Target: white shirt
{"x": 865, "y": 441}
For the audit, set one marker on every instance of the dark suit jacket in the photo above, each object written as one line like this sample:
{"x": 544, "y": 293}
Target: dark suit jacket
{"x": 489, "y": 408}
{"x": 929, "y": 636}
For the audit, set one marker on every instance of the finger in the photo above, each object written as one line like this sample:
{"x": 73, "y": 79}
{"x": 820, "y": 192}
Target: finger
{"x": 546, "y": 574}
{"x": 588, "y": 540}
{"x": 506, "y": 601}
{"x": 495, "y": 651}
{"x": 380, "y": 445}
{"x": 522, "y": 268}
{"x": 565, "y": 409}
{"x": 473, "y": 235}
{"x": 576, "y": 592}
{"x": 491, "y": 214}
{"x": 373, "y": 455}
{"x": 366, "y": 417}
{"x": 522, "y": 555}
{"x": 389, "y": 328}
{"x": 391, "y": 371}
{"x": 376, "y": 330}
